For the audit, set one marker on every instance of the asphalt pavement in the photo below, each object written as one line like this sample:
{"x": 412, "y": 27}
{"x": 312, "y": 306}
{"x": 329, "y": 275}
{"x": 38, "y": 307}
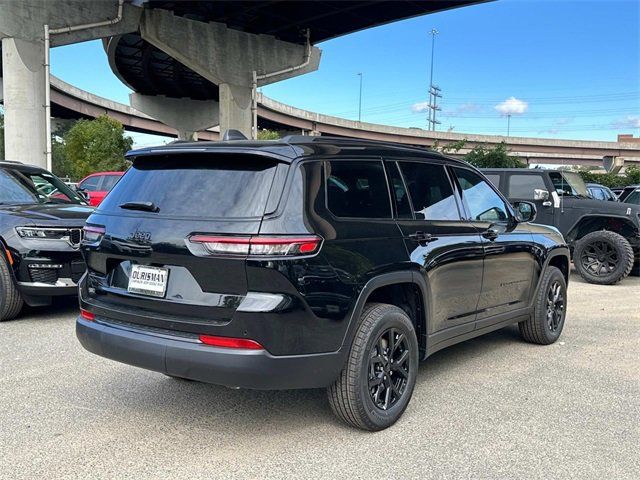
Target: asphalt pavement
{"x": 492, "y": 407}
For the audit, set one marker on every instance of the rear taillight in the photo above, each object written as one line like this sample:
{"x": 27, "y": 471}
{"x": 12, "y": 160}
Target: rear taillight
{"x": 229, "y": 342}
{"x": 93, "y": 233}
{"x": 261, "y": 246}
{"x": 87, "y": 315}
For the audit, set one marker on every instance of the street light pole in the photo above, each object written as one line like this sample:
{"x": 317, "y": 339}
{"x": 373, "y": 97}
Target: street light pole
{"x": 432, "y": 99}
{"x": 360, "y": 100}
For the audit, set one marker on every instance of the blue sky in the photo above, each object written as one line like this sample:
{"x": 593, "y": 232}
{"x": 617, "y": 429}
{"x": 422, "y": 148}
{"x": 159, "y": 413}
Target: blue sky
{"x": 572, "y": 68}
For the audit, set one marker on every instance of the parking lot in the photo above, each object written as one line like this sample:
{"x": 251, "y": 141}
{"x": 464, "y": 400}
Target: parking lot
{"x": 490, "y": 407}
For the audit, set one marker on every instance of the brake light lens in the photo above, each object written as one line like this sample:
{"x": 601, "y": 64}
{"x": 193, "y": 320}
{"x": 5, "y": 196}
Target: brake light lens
{"x": 229, "y": 342}
{"x": 87, "y": 315}
{"x": 93, "y": 233}
{"x": 262, "y": 246}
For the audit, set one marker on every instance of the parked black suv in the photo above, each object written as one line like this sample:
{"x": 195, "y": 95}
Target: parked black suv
{"x": 311, "y": 262}
{"x": 604, "y": 237}
{"x": 41, "y": 222}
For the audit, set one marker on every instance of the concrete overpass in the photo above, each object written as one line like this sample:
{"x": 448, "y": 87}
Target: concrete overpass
{"x": 192, "y": 65}
{"x": 196, "y": 65}
{"x": 70, "y": 102}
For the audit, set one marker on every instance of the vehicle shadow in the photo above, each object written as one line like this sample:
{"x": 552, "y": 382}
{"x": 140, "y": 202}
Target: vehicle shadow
{"x": 61, "y": 307}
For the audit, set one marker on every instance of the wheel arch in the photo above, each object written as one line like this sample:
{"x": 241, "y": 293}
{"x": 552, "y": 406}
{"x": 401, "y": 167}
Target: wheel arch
{"x": 592, "y": 223}
{"x": 407, "y": 290}
{"x": 558, "y": 258}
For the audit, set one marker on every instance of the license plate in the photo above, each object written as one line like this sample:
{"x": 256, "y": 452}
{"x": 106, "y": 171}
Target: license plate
{"x": 146, "y": 280}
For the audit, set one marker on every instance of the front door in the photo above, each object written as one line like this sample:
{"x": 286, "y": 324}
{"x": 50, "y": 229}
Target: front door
{"x": 509, "y": 262}
{"x": 447, "y": 249}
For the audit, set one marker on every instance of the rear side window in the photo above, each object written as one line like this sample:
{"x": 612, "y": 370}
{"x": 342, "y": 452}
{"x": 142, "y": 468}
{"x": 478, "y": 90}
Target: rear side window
{"x": 493, "y": 178}
{"x": 399, "y": 191}
{"x": 109, "y": 182}
{"x": 204, "y": 185}
{"x": 522, "y": 186}
{"x": 430, "y": 190}
{"x": 357, "y": 189}
{"x": 91, "y": 183}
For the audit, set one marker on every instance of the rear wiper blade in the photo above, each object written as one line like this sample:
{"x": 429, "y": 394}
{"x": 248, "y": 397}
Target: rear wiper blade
{"x": 144, "y": 206}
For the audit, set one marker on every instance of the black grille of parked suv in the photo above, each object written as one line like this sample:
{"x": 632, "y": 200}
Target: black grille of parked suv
{"x": 311, "y": 262}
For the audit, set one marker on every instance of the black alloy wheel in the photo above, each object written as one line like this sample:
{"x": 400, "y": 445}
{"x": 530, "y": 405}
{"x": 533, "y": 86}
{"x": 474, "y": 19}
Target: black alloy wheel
{"x": 603, "y": 257}
{"x": 555, "y": 306}
{"x": 389, "y": 368}
{"x": 379, "y": 375}
{"x": 599, "y": 258}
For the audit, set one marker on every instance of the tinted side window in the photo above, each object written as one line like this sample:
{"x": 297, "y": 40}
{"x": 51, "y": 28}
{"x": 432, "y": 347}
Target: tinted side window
{"x": 90, "y": 184}
{"x": 399, "y": 191}
{"x": 522, "y": 186}
{"x": 494, "y": 178}
{"x": 430, "y": 190}
{"x": 109, "y": 182}
{"x": 597, "y": 193}
{"x": 358, "y": 189}
{"x": 633, "y": 198}
{"x": 481, "y": 200}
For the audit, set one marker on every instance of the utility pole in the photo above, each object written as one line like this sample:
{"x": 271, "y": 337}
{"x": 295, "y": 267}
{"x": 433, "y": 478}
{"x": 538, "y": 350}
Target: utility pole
{"x": 434, "y": 91}
{"x": 360, "y": 100}
{"x": 508, "y": 123}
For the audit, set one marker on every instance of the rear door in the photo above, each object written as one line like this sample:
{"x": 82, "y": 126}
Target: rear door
{"x": 509, "y": 262}
{"x": 447, "y": 248}
{"x": 212, "y": 195}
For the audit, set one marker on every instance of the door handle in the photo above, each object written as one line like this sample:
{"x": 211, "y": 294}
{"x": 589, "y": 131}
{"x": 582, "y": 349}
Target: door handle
{"x": 422, "y": 238}
{"x": 490, "y": 233}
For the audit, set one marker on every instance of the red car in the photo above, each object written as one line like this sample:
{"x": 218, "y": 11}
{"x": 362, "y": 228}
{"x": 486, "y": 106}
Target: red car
{"x": 97, "y": 185}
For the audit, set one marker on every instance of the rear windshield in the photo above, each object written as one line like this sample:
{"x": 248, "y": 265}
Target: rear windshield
{"x": 204, "y": 185}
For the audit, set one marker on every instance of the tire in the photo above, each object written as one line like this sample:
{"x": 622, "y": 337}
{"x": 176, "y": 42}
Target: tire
{"x": 547, "y": 321}
{"x": 350, "y": 397}
{"x": 603, "y": 257}
{"x": 10, "y": 299}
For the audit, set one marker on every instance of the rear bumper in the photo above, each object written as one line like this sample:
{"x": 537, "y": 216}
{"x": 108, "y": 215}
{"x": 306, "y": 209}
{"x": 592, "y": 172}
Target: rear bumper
{"x": 255, "y": 369}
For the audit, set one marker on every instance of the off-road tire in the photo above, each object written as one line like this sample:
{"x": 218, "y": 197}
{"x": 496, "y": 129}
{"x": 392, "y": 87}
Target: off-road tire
{"x": 617, "y": 243}
{"x": 350, "y": 396}
{"x": 537, "y": 328}
{"x": 10, "y": 299}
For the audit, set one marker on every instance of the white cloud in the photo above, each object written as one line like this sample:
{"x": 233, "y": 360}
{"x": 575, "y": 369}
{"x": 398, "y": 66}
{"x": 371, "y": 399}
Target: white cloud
{"x": 630, "y": 121}
{"x": 420, "y": 107}
{"x": 512, "y": 106}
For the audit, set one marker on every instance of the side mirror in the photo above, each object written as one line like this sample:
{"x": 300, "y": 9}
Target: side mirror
{"x": 83, "y": 193}
{"x": 540, "y": 194}
{"x": 526, "y": 211}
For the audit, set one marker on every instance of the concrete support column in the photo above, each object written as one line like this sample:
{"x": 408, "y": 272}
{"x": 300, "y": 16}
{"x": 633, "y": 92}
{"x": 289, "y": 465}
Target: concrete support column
{"x": 235, "y": 109}
{"x": 228, "y": 58}
{"x": 24, "y": 97}
{"x": 187, "y": 116}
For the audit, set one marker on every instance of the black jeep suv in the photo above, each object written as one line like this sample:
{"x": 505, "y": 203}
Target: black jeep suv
{"x": 311, "y": 262}
{"x": 604, "y": 237}
{"x": 41, "y": 222}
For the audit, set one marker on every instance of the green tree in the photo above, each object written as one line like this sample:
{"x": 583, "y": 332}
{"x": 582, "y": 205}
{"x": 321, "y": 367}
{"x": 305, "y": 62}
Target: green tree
{"x": 496, "y": 157}
{"x": 266, "y": 134}
{"x": 94, "y": 146}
